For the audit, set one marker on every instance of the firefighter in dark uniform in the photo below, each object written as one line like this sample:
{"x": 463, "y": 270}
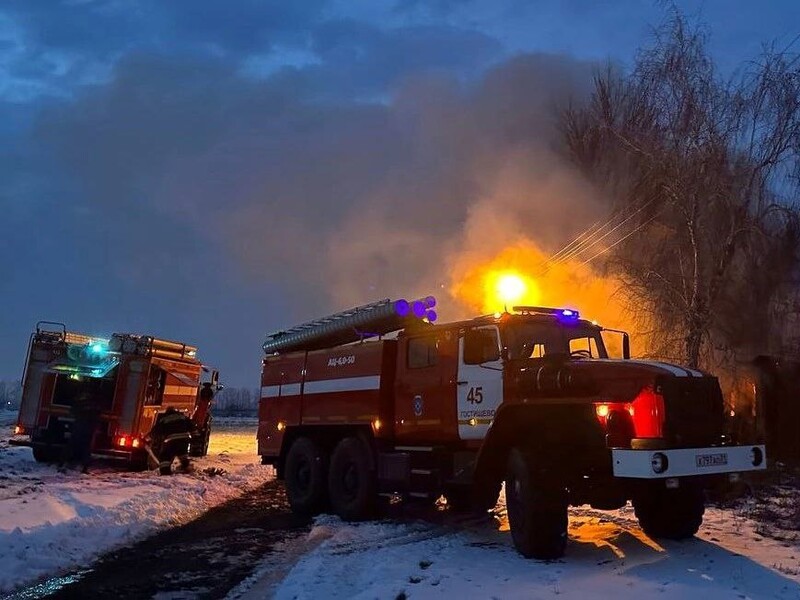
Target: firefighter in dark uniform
{"x": 169, "y": 439}
{"x": 86, "y": 415}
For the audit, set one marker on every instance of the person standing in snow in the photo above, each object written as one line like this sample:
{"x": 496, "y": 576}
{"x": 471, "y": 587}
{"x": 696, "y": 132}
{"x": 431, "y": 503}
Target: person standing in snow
{"x": 169, "y": 439}
{"x": 86, "y": 414}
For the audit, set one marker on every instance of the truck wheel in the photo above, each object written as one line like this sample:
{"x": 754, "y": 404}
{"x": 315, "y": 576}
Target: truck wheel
{"x": 139, "y": 462}
{"x": 305, "y": 477}
{"x": 166, "y": 469}
{"x": 537, "y": 513}
{"x": 674, "y": 514}
{"x": 352, "y": 486}
{"x": 199, "y": 446}
{"x": 206, "y": 440}
{"x": 45, "y": 454}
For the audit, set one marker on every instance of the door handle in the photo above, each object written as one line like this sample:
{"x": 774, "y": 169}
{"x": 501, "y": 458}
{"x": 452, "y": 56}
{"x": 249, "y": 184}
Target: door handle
{"x": 462, "y": 382}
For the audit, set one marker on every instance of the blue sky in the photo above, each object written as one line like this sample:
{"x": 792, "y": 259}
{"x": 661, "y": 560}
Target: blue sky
{"x": 210, "y": 171}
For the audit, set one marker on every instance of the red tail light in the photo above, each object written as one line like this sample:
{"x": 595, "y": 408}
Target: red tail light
{"x": 123, "y": 441}
{"x": 648, "y": 414}
{"x": 641, "y": 418}
{"x": 19, "y": 429}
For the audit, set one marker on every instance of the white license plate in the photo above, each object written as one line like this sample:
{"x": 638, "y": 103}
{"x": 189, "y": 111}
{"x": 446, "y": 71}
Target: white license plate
{"x": 711, "y": 460}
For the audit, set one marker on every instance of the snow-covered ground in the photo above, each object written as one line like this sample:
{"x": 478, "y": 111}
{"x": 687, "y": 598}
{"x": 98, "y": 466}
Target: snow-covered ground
{"x": 51, "y": 522}
{"x": 607, "y": 557}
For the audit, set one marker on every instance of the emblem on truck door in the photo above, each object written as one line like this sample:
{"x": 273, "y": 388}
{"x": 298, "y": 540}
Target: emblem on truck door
{"x": 419, "y": 406}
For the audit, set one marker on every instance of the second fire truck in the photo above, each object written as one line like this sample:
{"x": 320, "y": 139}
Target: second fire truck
{"x": 379, "y": 399}
{"x": 128, "y": 380}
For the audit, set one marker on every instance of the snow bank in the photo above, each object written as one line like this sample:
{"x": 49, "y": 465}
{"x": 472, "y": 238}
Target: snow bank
{"x": 607, "y": 557}
{"x": 51, "y": 522}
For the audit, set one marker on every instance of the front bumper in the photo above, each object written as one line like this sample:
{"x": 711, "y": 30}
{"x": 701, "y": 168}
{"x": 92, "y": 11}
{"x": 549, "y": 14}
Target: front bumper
{"x": 687, "y": 462}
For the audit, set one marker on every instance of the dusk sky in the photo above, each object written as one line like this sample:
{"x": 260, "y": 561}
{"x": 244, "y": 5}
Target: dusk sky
{"x": 211, "y": 171}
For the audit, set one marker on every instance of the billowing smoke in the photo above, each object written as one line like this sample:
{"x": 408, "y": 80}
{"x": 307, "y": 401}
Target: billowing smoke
{"x": 307, "y": 203}
{"x": 399, "y": 199}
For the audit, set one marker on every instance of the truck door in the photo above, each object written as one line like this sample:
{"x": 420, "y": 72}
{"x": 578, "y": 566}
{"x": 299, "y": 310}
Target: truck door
{"x": 35, "y": 382}
{"x": 425, "y": 387}
{"x": 480, "y": 380}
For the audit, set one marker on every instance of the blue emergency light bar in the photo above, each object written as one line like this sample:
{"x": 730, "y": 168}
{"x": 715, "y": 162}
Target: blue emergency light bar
{"x": 562, "y": 314}
{"x": 421, "y": 309}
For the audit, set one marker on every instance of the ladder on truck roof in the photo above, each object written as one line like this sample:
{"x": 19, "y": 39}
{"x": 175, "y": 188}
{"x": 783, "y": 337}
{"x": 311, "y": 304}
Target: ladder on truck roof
{"x": 352, "y": 325}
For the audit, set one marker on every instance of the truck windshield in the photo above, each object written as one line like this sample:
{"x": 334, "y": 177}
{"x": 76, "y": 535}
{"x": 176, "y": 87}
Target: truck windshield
{"x": 537, "y": 340}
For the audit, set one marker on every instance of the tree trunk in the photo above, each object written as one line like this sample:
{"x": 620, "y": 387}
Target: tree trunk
{"x": 696, "y": 324}
{"x": 693, "y": 342}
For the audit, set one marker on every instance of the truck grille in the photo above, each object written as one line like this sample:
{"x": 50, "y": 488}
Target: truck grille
{"x": 694, "y": 410}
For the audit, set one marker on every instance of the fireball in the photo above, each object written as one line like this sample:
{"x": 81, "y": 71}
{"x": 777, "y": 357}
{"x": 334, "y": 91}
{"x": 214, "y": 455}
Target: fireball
{"x": 503, "y": 289}
{"x": 510, "y": 288}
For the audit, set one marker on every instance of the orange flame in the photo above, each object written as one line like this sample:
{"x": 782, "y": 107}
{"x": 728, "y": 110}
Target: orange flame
{"x": 522, "y": 274}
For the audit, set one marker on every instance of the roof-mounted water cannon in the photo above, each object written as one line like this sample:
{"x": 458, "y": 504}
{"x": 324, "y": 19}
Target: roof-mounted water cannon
{"x": 369, "y": 320}
{"x": 147, "y": 345}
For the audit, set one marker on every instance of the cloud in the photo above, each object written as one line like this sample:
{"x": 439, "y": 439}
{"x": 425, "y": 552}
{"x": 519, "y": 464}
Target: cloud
{"x": 191, "y": 198}
{"x": 57, "y": 48}
{"x": 336, "y": 202}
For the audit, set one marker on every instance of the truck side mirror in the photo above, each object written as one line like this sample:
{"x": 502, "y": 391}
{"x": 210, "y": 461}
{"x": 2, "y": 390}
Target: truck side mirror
{"x": 626, "y": 346}
{"x": 480, "y": 346}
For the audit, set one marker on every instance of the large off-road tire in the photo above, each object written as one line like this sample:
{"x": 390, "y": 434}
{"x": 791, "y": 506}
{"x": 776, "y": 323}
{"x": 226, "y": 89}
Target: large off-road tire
{"x": 674, "y": 514}
{"x": 199, "y": 446}
{"x": 306, "y": 477}
{"x": 139, "y": 461}
{"x": 46, "y": 454}
{"x": 537, "y": 509}
{"x": 166, "y": 469}
{"x": 352, "y": 485}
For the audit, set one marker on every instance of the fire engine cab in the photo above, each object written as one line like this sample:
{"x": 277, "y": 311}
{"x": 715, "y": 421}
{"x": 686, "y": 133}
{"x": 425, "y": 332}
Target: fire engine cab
{"x": 380, "y": 399}
{"x": 127, "y": 379}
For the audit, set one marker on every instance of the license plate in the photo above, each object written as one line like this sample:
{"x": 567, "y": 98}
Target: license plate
{"x": 711, "y": 460}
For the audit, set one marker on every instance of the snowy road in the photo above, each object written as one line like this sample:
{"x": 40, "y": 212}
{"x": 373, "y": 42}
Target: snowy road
{"x": 251, "y": 547}
{"x": 202, "y": 559}
{"x": 441, "y": 556}
{"x": 51, "y": 523}
{"x": 428, "y": 553}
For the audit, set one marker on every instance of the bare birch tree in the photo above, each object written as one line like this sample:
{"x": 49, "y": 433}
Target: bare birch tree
{"x": 710, "y": 168}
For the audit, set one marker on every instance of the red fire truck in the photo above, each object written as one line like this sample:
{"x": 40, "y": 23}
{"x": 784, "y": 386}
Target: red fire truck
{"x": 379, "y": 399}
{"x": 129, "y": 379}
